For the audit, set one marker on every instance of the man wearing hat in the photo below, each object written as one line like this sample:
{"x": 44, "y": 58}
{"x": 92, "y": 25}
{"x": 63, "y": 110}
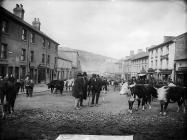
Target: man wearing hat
{"x": 95, "y": 88}
{"x": 85, "y": 87}
{"x": 77, "y": 90}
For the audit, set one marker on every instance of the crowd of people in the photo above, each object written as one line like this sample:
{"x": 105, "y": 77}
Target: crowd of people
{"x": 26, "y": 85}
{"x": 85, "y": 87}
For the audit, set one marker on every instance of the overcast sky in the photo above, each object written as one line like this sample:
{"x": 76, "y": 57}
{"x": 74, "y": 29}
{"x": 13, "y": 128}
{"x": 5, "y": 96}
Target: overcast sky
{"x": 107, "y": 27}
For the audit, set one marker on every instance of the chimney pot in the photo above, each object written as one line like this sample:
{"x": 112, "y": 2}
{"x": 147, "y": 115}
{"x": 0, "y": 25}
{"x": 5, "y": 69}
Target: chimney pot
{"x": 19, "y": 11}
{"x": 36, "y": 23}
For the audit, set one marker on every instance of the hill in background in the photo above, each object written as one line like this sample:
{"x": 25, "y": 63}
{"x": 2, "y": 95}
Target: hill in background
{"x": 91, "y": 62}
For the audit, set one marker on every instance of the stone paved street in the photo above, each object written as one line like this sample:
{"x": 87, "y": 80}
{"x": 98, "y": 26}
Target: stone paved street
{"x": 45, "y": 116}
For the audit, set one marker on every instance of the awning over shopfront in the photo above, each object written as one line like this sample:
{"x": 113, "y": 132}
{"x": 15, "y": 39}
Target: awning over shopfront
{"x": 166, "y": 71}
{"x": 141, "y": 74}
{"x": 181, "y": 70}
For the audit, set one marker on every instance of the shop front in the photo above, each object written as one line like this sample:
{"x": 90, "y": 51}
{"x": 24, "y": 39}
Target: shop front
{"x": 165, "y": 75}
{"x": 181, "y": 76}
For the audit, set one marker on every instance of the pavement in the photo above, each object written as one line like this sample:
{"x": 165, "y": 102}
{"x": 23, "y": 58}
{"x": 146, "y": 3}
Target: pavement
{"x": 38, "y": 88}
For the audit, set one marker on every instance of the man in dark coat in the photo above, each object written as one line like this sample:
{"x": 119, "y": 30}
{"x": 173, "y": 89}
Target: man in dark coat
{"x": 77, "y": 90}
{"x": 85, "y": 88}
{"x": 96, "y": 87}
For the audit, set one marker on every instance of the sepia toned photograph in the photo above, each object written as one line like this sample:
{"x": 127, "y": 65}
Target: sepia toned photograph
{"x": 93, "y": 69}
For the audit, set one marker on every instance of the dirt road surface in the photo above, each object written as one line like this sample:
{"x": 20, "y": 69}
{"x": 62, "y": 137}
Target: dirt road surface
{"x": 45, "y": 116}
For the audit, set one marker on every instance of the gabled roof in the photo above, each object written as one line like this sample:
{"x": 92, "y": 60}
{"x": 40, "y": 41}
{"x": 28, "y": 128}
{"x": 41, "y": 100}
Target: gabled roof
{"x": 70, "y": 51}
{"x": 14, "y": 17}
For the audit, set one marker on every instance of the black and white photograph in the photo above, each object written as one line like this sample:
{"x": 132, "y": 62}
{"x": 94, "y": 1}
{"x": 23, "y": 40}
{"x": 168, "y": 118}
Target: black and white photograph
{"x": 93, "y": 69}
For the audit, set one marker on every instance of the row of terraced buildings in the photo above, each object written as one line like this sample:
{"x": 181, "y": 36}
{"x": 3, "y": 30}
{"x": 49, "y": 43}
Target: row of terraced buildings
{"x": 165, "y": 61}
{"x": 26, "y": 50}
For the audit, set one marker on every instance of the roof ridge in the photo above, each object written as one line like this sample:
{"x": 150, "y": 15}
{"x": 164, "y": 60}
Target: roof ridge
{"x": 25, "y": 23}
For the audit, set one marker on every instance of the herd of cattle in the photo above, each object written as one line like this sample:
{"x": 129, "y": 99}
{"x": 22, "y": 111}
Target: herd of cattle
{"x": 144, "y": 93}
{"x": 56, "y": 85}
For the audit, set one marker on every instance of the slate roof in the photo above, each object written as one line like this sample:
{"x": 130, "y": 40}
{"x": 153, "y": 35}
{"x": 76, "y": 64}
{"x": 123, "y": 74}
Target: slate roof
{"x": 19, "y": 20}
{"x": 140, "y": 55}
{"x": 167, "y": 42}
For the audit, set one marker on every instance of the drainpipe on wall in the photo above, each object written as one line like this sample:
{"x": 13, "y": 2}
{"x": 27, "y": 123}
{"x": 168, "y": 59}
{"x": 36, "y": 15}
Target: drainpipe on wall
{"x": 28, "y": 56}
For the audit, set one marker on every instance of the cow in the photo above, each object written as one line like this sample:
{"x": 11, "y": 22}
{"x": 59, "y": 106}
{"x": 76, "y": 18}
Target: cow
{"x": 143, "y": 93}
{"x": 8, "y": 93}
{"x": 171, "y": 94}
{"x": 57, "y": 85}
{"x": 70, "y": 83}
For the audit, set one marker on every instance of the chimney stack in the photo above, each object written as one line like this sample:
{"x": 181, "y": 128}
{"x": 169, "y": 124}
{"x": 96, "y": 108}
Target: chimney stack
{"x": 131, "y": 53}
{"x": 36, "y": 23}
{"x": 147, "y": 48}
{"x": 19, "y": 11}
{"x": 140, "y": 50}
{"x": 167, "y": 38}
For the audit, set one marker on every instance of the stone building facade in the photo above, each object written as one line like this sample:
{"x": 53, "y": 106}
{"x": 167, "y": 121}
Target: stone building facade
{"x": 75, "y": 58}
{"x": 24, "y": 49}
{"x": 139, "y": 64}
{"x": 64, "y": 69}
{"x": 161, "y": 59}
{"x": 180, "y": 63}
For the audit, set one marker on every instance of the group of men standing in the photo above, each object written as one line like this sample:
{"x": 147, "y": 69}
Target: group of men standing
{"x": 84, "y": 86}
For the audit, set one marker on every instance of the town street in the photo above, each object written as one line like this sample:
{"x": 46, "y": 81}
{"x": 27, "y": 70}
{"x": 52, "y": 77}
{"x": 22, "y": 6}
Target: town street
{"x": 45, "y": 116}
